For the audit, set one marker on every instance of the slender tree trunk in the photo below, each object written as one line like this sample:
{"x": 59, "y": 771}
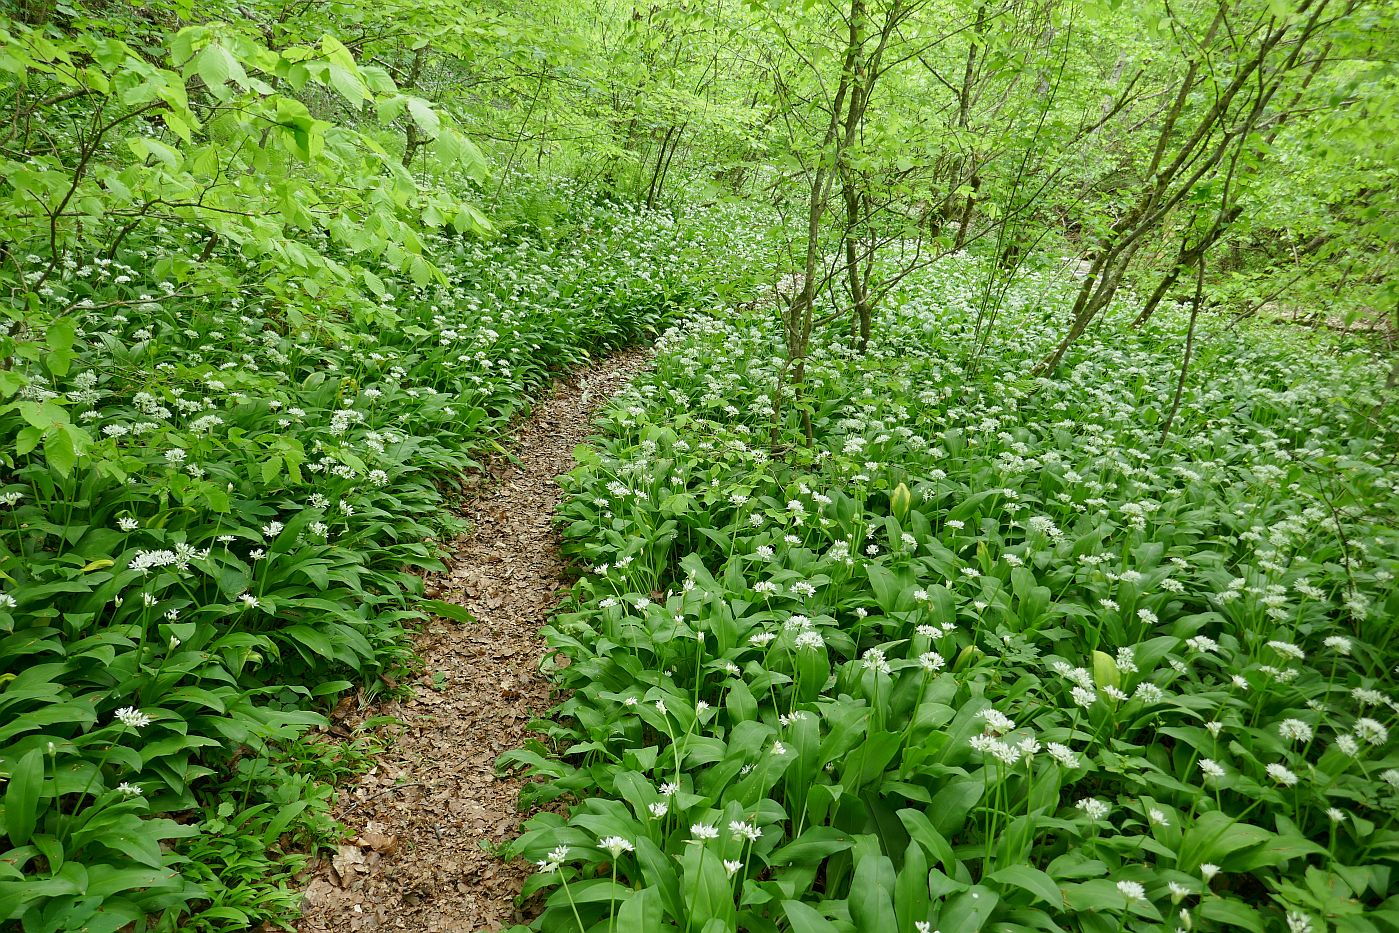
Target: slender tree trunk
{"x": 1189, "y": 351}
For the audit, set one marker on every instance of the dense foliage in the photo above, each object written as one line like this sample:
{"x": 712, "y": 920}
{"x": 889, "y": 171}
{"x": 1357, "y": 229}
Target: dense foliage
{"x": 238, "y": 531}
{"x": 988, "y": 654}
{"x": 974, "y": 561}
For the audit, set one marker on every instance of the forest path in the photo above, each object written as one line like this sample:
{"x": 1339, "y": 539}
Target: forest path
{"x": 433, "y": 798}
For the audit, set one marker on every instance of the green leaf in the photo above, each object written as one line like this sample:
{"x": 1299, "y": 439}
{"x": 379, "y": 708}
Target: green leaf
{"x": 1098, "y": 894}
{"x": 22, "y": 797}
{"x": 641, "y": 911}
{"x": 805, "y": 919}
{"x": 812, "y": 847}
{"x": 1214, "y": 836}
{"x": 968, "y": 911}
{"x": 216, "y": 66}
{"x": 58, "y": 362}
{"x": 1105, "y": 670}
{"x": 425, "y": 117}
{"x": 1031, "y": 879}
{"x": 922, "y": 831}
{"x": 448, "y": 610}
{"x": 316, "y": 641}
{"x": 705, "y": 887}
{"x": 348, "y": 83}
{"x": 911, "y": 897}
{"x": 60, "y": 451}
{"x": 1232, "y": 913}
{"x": 872, "y": 888}
{"x": 61, "y": 334}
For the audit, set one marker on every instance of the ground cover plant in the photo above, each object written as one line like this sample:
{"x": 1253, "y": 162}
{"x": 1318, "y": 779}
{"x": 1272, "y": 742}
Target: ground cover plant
{"x": 235, "y": 534}
{"x": 980, "y": 554}
{"x": 992, "y": 652}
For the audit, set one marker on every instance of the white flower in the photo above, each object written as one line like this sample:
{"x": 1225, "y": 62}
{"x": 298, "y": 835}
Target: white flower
{"x": 1063, "y": 754}
{"x": 615, "y": 845}
{"x": 1335, "y": 815}
{"x": 1211, "y": 769}
{"x": 996, "y": 721}
{"x": 704, "y": 831}
{"x": 1295, "y": 730}
{"x": 1287, "y": 649}
{"x": 874, "y": 660}
{"x": 930, "y": 661}
{"x": 1281, "y": 774}
{"x": 1203, "y": 644}
{"x": 133, "y": 718}
{"x": 1208, "y": 871}
{"x": 128, "y": 524}
{"x": 1157, "y": 817}
{"x": 1148, "y": 693}
{"x": 130, "y": 790}
{"x": 1132, "y": 890}
{"x": 669, "y": 788}
{"x": 1369, "y": 730}
{"x": 1093, "y": 808}
{"x": 1298, "y": 922}
{"x": 552, "y": 861}
{"x": 746, "y": 830}
{"x": 1338, "y": 644}
{"x": 658, "y": 809}
{"x": 732, "y": 866}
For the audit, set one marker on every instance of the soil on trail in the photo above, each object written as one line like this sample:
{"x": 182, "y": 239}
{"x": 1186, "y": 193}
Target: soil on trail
{"x": 423, "y": 813}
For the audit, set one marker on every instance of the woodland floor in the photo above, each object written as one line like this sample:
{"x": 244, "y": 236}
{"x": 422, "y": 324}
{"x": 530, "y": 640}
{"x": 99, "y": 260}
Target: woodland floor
{"x": 426, "y": 811}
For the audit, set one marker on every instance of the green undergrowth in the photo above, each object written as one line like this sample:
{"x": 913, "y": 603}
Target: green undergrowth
{"x": 238, "y": 533}
{"x": 990, "y": 654}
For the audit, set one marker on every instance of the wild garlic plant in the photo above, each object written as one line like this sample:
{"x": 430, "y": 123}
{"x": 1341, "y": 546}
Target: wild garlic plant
{"x": 239, "y": 535}
{"x": 987, "y": 654}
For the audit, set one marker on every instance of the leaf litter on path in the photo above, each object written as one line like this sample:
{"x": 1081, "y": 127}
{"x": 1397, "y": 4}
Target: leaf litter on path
{"x": 428, "y": 812}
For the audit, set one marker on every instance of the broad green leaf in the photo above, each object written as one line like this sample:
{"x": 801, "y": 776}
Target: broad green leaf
{"x": 1032, "y": 880}
{"x": 453, "y": 611}
{"x": 22, "y": 807}
{"x": 425, "y": 117}
{"x": 706, "y": 888}
{"x": 805, "y": 919}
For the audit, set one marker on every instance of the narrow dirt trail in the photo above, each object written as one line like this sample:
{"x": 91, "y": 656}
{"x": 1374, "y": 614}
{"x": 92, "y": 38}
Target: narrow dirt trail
{"x": 432, "y": 800}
